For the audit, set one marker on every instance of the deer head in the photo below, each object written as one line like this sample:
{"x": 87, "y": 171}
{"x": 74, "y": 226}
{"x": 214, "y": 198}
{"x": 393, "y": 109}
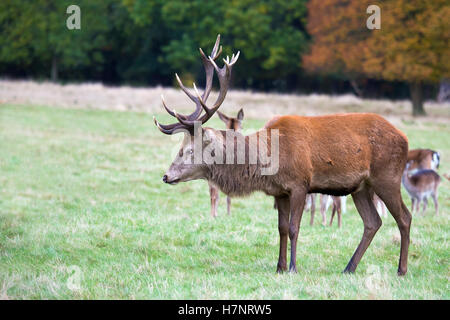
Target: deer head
{"x": 188, "y": 164}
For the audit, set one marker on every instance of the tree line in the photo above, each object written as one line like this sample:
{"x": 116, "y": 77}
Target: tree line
{"x": 286, "y": 45}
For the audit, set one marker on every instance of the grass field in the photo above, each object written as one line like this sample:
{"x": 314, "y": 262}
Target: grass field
{"x": 84, "y": 215}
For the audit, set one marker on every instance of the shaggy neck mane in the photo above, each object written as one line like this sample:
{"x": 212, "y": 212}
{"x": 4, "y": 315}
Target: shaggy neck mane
{"x": 240, "y": 179}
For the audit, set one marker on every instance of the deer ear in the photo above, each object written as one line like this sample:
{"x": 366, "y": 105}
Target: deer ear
{"x": 240, "y": 114}
{"x": 223, "y": 117}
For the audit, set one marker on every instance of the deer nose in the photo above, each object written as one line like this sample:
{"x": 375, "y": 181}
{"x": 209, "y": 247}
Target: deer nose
{"x": 165, "y": 178}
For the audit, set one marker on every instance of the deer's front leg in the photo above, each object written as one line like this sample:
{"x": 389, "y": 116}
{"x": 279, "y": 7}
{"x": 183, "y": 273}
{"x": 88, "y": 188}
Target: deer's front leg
{"x": 297, "y": 203}
{"x": 228, "y": 205}
{"x": 282, "y": 204}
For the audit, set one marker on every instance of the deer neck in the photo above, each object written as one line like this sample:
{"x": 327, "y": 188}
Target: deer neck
{"x": 238, "y": 174}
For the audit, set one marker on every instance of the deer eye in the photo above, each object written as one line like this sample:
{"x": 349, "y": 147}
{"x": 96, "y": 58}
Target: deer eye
{"x": 190, "y": 151}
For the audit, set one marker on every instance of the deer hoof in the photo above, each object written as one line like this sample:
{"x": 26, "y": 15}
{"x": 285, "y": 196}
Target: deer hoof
{"x": 281, "y": 270}
{"x": 348, "y": 271}
{"x": 401, "y": 273}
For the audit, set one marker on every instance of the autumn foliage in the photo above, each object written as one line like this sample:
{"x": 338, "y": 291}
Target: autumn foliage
{"x": 412, "y": 44}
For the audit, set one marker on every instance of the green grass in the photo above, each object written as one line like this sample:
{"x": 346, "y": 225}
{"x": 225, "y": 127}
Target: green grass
{"x": 83, "y": 188}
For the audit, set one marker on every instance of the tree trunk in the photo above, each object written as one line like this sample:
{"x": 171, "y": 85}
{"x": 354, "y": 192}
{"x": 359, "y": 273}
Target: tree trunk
{"x": 355, "y": 87}
{"x": 417, "y": 98}
{"x": 54, "y": 71}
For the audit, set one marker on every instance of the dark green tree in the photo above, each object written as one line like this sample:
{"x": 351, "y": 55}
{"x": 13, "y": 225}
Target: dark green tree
{"x": 270, "y": 35}
{"x": 35, "y": 35}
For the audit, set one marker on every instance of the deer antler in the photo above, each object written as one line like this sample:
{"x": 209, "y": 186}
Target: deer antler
{"x": 224, "y": 75}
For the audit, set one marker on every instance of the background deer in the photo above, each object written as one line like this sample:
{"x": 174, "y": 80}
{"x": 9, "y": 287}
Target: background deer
{"x": 231, "y": 124}
{"x": 311, "y": 204}
{"x": 338, "y": 206}
{"x": 420, "y": 185}
{"x": 419, "y": 159}
{"x": 341, "y": 154}
{"x": 423, "y": 159}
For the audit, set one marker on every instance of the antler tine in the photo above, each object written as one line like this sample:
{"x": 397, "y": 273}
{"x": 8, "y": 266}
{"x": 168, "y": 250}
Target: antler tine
{"x": 236, "y": 57}
{"x": 183, "y": 120}
{"x": 214, "y": 53}
{"x": 209, "y": 70}
{"x": 201, "y": 100}
{"x": 224, "y": 75}
{"x": 213, "y": 56}
{"x": 211, "y": 60}
{"x": 185, "y": 90}
{"x": 168, "y": 129}
{"x": 233, "y": 59}
{"x": 171, "y": 128}
{"x": 217, "y": 54}
{"x": 171, "y": 112}
{"x": 198, "y": 108}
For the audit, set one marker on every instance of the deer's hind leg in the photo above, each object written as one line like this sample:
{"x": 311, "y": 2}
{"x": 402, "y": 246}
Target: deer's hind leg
{"x": 392, "y": 197}
{"x": 372, "y": 222}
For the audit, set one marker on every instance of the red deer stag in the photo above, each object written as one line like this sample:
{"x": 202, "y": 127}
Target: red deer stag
{"x": 231, "y": 124}
{"x": 341, "y": 154}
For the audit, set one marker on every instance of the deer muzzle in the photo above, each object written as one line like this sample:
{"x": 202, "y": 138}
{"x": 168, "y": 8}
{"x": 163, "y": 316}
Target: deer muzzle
{"x": 168, "y": 180}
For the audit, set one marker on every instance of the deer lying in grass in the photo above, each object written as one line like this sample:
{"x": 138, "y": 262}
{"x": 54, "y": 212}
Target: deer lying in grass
{"x": 341, "y": 154}
{"x": 231, "y": 124}
{"x": 420, "y": 185}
